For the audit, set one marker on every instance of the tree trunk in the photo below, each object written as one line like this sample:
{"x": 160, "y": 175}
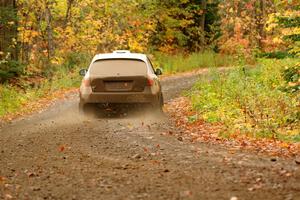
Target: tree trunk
{"x": 8, "y": 30}
{"x": 48, "y": 17}
{"x": 68, "y": 12}
{"x": 203, "y": 17}
{"x": 202, "y": 25}
{"x": 261, "y": 23}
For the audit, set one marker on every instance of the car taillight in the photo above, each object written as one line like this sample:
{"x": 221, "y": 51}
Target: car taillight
{"x": 150, "y": 82}
{"x": 86, "y": 82}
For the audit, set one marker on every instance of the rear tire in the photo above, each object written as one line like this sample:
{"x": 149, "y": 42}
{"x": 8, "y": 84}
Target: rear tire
{"x": 158, "y": 106}
{"x": 86, "y": 109}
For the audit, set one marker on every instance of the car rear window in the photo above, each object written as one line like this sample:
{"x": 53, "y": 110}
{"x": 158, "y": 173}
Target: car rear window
{"x": 123, "y": 67}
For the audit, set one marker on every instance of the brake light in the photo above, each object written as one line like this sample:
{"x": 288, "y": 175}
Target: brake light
{"x": 86, "y": 82}
{"x": 150, "y": 82}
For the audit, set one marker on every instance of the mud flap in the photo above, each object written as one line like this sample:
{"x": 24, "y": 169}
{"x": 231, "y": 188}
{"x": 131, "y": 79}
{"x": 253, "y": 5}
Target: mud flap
{"x": 158, "y": 106}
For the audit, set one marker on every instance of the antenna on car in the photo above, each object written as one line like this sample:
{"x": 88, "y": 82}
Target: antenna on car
{"x": 121, "y": 51}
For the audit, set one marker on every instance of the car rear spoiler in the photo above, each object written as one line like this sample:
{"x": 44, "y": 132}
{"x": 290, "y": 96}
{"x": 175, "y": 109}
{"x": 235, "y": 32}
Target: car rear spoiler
{"x": 121, "y": 51}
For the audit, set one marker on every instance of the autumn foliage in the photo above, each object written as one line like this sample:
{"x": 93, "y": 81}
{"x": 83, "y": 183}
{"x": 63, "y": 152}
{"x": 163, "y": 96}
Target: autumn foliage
{"x": 39, "y": 36}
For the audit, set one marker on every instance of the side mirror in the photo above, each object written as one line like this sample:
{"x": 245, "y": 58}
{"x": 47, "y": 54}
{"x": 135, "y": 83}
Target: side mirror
{"x": 158, "y": 72}
{"x": 83, "y": 72}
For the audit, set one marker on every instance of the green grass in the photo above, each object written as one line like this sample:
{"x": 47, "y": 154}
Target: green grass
{"x": 181, "y": 63}
{"x": 13, "y": 99}
{"x": 61, "y": 77}
{"x": 250, "y": 101}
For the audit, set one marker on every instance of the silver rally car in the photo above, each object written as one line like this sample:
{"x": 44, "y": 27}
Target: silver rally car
{"x": 120, "y": 77}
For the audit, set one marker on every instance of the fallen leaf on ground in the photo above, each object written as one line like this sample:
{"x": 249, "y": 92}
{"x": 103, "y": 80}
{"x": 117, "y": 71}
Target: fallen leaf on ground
{"x": 180, "y": 109}
{"x": 61, "y": 148}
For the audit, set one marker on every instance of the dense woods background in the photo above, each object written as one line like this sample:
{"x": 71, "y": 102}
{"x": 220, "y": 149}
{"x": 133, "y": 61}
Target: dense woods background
{"x": 36, "y": 36}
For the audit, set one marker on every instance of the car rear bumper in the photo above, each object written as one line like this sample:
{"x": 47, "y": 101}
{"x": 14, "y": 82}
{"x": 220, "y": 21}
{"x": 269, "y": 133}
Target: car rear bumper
{"x": 118, "y": 97}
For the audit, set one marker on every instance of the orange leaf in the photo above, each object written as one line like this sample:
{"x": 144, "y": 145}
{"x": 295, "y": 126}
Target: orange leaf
{"x": 61, "y": 148}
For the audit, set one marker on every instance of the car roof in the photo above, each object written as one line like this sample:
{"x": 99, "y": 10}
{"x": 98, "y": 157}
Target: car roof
{"x": 120, "y": 54}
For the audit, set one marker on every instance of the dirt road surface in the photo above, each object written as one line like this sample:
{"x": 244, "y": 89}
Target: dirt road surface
{"x": 57, "y": 154}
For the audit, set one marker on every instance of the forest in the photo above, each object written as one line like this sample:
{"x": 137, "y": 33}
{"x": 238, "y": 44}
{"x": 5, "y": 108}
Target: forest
{"x": 43, "y": 44}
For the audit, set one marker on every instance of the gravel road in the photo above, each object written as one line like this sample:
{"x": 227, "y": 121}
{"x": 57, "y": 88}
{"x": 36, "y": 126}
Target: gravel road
{"x": 58, "y": 154}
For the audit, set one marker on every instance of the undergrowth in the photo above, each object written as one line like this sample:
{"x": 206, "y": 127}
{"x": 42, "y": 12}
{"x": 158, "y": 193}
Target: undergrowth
{"x": 181, "y": 63}
{"x": 14, "y": 96}
{"x": 13, "y": 99}
{"x": 250, "y": 101}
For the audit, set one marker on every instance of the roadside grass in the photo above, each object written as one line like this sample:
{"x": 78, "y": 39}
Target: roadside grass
{"x": 181, "y": 63}
{"x": 24, "y": 97}
{"x": 250, "y": 101}
{"x": 14, "y": 99}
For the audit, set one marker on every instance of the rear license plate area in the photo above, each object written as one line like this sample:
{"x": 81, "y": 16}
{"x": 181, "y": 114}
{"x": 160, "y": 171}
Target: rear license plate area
{"x": 118, "y": 85}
